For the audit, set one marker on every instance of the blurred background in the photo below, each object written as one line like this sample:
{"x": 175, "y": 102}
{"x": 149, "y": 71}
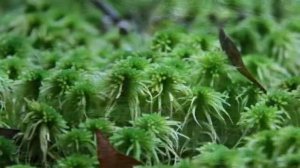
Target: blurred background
{"x": 249, "y": 22}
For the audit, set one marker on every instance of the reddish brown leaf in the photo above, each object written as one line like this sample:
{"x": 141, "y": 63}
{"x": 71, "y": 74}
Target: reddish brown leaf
{"x": 235, "y": 58}
{"x": 110, "y": 158}
{"x": 8, "y": 133}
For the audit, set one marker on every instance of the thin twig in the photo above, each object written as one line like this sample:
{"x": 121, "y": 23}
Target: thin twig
{"x": 107, "y": 10}
{"x": 123, "y": 25}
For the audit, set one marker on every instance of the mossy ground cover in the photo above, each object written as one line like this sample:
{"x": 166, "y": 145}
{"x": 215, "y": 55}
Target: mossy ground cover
{"x": 165, "y": 93}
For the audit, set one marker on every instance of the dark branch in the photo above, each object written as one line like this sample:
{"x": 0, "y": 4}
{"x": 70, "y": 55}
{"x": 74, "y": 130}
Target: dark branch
{"x": 123, "y": 25}
{"x": 8, "y": 133}
{"x": 107, "y": 10}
